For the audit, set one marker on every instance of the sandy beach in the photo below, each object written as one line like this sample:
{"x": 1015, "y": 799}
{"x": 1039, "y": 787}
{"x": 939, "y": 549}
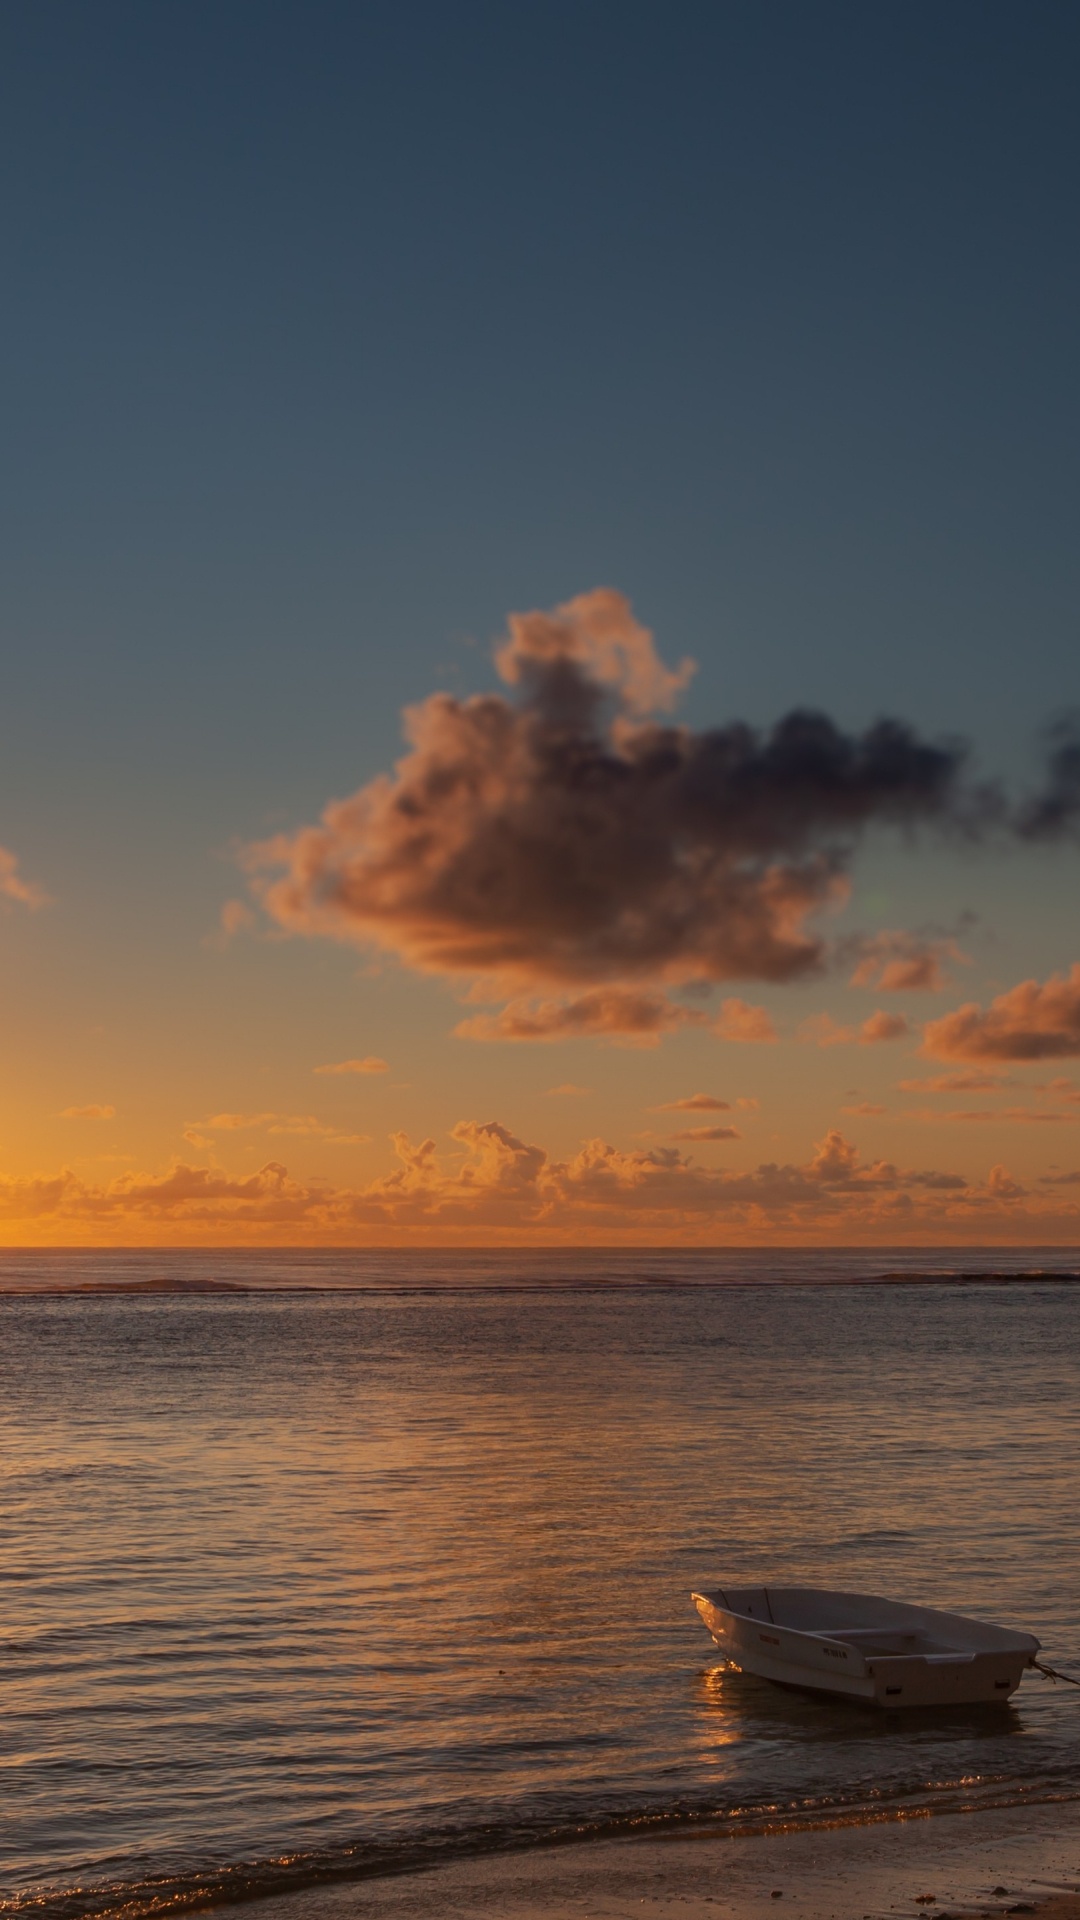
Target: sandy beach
{"x": 1004, "y": 1861}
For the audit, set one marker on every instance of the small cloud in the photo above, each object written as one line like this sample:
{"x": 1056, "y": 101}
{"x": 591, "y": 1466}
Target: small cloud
{"x": 881, "y": 1027}
{"x": 277, "y": 1123}
{"x": 370, "y": 1064}
{"x": 1061, "y": 1088}
{"x": 821, "y": 1030}
{"x": 738, "y": 1020}
{"x": 866, "y": 1109}
{"x": 898, "y": 962}
{"x": 14, "y": 887}
{"x": 697, "y": 1103}
{"x": 234, "y": 918}
{"x": 919, "y": 974}
{"x": 1032, "y": 1021}
{"x": 630, "y": 1015}
{"x": 957, "y": 1083}
{"x": 569, "y": 1091}
{"x": 1002, "y": 1186}
{"x": 93, "y": 1112}
{"x": 1002, "y": 1116}
{"x": 708, "y": 1133}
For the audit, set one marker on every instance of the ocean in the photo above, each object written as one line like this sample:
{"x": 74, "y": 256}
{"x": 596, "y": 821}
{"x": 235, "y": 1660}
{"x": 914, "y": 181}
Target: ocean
{"x": 313, "y": 1565}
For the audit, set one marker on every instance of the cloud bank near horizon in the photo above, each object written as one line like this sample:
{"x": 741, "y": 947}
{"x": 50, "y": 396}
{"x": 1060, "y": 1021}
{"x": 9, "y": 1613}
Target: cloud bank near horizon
{"x": 493, "y": 1182}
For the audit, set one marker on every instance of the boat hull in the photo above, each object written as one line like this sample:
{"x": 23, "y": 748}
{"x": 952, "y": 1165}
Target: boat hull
{"x": 911, "y": 1657}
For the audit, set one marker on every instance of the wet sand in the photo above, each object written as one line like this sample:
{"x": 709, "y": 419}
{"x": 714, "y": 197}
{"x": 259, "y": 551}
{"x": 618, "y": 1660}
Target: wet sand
{"x": 1006, "y": 1861}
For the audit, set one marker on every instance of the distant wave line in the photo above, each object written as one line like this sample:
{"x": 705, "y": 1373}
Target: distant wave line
{"x": 944, "y": 1277}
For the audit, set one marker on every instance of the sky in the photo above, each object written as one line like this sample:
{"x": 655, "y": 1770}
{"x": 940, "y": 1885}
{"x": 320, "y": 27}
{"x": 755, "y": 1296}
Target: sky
{"x": 448, "y": 453}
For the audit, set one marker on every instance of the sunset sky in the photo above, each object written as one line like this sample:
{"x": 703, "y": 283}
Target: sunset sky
{"x": 540, "y": 604}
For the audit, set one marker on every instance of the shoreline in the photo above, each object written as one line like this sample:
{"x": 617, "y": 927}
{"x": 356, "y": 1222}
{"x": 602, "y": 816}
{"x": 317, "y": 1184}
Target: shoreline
{"x": 990, "y": 1862}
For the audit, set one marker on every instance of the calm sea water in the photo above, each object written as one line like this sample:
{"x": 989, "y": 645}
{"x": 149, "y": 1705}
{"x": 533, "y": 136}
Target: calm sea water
{"x": 299, "y": 1583}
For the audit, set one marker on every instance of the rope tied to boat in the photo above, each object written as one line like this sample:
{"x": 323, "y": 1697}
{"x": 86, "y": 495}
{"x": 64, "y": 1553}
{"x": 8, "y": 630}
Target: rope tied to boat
{"x": 1052, "y": 1673}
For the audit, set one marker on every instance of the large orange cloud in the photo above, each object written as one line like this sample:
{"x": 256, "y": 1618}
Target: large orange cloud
{"x": 1030, "y": 1022}
{"x": 561, "y": 840}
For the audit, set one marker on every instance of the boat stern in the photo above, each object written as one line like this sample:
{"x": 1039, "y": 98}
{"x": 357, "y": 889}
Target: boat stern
{"x": 947, "y": 1679}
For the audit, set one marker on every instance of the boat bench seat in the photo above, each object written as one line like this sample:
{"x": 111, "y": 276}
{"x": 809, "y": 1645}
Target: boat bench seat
{"x": 885, "y": 1641}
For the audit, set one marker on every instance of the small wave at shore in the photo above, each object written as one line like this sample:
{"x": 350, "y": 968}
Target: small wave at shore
{"x": 195, "y": 1889}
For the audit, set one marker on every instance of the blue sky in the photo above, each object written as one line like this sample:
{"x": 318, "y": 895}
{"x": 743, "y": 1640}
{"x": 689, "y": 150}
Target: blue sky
{"x": 335, "y": 333}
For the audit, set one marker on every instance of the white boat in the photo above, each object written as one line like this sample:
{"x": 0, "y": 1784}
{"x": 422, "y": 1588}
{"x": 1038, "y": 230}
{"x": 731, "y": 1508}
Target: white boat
{"x": 864, "y": 1647}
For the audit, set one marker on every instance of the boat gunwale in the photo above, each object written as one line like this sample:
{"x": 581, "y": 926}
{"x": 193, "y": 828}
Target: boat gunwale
{"x": 1008, "y": 1639}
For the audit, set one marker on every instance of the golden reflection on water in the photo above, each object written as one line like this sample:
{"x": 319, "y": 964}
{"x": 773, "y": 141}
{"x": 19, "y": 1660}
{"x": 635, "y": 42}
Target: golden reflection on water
{"x": 720, "y": 1718}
